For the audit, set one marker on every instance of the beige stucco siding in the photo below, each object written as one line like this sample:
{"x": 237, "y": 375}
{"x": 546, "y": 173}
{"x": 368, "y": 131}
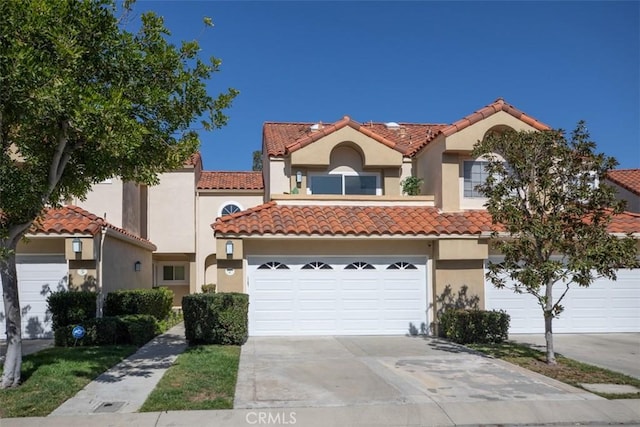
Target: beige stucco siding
{"x": 277, "y": 177}
{"x": 456, "y": 274}
{"x": 171, "y": 212}
{"x": 429, "y": 168}
{"x": 209, "y": 205}
{"x": 118, "y": 261}
{"x": 43, "y": 245}
{"x": 461, "y": 249}
{"x": 374, "y": 153}
{"x": 464, "y": 140}
{"x": 105, "y": 200}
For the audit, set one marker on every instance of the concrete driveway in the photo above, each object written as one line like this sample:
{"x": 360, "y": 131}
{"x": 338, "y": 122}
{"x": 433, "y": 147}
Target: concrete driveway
{"x": 347, "y": 371}
{"x": 618, "y": 352}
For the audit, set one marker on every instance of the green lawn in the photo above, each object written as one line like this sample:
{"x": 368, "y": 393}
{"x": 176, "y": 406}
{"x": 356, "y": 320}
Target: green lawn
{"x": 203, "y": 377}
{"x": 567, "y": 370}
{"x": 52, "y": 376}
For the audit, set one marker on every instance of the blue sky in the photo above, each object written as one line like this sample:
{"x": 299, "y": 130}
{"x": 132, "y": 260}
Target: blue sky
{"x": 423, "y": 62}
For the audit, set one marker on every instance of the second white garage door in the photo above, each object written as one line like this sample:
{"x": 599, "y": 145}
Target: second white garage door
{"x": 605, "y": 306}
{"x": 336, "y": 296}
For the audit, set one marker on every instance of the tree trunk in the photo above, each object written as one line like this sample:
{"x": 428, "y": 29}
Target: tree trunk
{"x": 13, "y": 358}
{"x": 548, "y": 330}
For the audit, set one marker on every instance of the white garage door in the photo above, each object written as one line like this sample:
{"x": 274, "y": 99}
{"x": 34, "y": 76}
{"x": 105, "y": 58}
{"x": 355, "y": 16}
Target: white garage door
{"x": 37, "y": 276}
{"x": 337, "y": 296}
{"x": 605, "y": 306}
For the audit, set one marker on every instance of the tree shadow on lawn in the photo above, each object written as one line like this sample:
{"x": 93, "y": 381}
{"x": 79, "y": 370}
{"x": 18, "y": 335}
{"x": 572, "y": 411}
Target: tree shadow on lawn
{"x": 93, "y": 358}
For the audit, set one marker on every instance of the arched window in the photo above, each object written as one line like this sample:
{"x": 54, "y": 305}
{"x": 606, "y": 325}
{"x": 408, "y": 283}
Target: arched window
{"x": 316, "y": 265}
{"x": 273, "y": 265}
{"x": 229, "y": 208}
{"x": 359, "y": 265}
{"x": 402, "y": 266}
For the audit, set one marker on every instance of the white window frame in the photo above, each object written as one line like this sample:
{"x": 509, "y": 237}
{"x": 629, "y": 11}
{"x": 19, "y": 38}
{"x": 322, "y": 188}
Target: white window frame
{"x": 343, "y": 174}
{"x": 229, "y": 202}
{"x": 160, "y": 273}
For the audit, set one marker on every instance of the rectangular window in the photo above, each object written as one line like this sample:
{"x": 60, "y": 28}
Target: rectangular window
{"x": 344, "y": 184}
{"x": 360, "y": 184}
{"x": 326, "y": 184}
{"x": 474, "y": 175}
{"x": 173, "y": 273}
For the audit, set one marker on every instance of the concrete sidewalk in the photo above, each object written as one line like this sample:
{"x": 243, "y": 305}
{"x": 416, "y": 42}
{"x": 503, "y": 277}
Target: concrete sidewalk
{"x": 125, "y": 387}
{"x": 575, "y": 412}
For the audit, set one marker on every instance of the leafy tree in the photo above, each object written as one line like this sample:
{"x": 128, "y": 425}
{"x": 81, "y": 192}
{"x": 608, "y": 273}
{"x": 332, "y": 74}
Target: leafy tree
{"x": 257, "y": 161}
{"x": 550, "y": 198}
{"x": 81, "y": 100}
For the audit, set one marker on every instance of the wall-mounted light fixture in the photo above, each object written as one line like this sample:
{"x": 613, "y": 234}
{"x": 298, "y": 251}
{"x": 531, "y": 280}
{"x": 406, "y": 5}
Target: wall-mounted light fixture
{"x": 76, "y": 245}
{"x": 299, "y": 177}
{"x": 137, "y": 266}
{"x": 229, "y": 248}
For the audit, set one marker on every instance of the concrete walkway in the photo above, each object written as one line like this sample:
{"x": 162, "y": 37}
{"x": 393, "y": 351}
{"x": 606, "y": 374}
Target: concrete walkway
{"x": 125, "y": 387}
{"x": 28, "y": 346}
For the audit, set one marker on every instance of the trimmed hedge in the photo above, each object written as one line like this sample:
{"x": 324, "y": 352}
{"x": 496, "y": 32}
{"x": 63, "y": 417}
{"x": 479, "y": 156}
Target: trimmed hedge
{"x": 155, "y": 302}
{"x": 475, "y": 326}
{"x": 71, "y": 307}
{"x": 219, "y": 318}
{"x": 135, "y": 329}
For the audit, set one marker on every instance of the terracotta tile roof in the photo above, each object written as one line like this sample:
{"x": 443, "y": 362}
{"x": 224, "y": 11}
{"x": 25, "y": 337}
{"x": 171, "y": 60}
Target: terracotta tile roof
{"x": 218, "y": 180}
{"x": 273, "y": 219}
{"x": 625, "y": 223}
{"x": 282, "y": 138}
{"x": 72, "y": 219}
{"x": 628, "y": 179}
{"x": 498, "y": 105}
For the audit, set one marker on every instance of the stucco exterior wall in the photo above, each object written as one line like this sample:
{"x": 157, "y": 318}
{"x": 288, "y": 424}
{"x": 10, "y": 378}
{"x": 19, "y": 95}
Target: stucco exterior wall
{"x": 461, "y": 249}
{"x": 456, "y": 274}
{"x": 633, "y": 200}
{"x": 209, "y": 205}
{"x": 105, "y": 200}
{"x": 429, "y": 167}
{"x": 171, "y": 212}
{"x": 118, "y": 266}
{"x": 277, "y": 177}
{"x": 41, "y": 245}
{"x": 374, "y": 153}
{"x": 131, "y": 207}
{"x": 464, "y": 140}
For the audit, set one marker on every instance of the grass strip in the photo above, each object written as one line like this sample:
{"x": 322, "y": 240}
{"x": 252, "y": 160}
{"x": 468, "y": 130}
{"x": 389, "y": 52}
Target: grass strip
{"x": 203, "y": 377}
{"x": 52, "y": 376}
{"x": 567, "y": 370}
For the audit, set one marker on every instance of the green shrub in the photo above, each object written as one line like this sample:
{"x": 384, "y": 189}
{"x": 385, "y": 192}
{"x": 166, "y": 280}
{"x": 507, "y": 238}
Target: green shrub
{"x": 475, "y": 326}
{"x": 139, "y": 328}
{"x": 155, "y": 302}
{"x": 136, "y": 329}
{"x": 102, "y": 331}
{"x": 71, "y": 307}
{"x": 219, "y": 318}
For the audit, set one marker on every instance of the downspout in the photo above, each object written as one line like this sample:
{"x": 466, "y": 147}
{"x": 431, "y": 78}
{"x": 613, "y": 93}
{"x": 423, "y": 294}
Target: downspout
{"x": 100, "y": 287}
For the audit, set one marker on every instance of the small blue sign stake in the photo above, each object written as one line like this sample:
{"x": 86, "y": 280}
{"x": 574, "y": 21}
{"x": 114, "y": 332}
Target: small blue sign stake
{"x": 78, "y": 333}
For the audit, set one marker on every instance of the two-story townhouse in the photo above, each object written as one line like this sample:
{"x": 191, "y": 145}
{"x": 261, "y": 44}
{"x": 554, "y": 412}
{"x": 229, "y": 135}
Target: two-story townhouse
{"x": 337, "y": 249}
{"x": 324, "y": 241}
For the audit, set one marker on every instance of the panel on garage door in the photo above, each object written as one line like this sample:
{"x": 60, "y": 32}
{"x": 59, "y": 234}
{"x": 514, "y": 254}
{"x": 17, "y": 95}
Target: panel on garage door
{"x": 605, "y": 306}
{"x": 336, "y": 296}
{"x": 37, "y": 277}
